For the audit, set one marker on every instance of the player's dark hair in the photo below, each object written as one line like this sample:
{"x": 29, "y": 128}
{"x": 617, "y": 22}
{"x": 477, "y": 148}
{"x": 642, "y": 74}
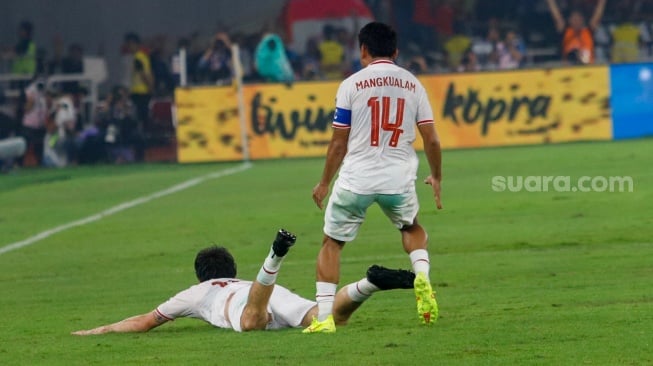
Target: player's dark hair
{"x": 379, "y": 38}
{"x": 214, "y": 262}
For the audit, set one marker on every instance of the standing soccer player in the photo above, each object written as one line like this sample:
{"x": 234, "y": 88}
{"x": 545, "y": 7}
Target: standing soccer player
{"x": 378, "y": 112}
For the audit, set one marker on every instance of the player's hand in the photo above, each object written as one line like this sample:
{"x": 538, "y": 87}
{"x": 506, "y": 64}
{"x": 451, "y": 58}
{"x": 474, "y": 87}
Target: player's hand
{"x": 435, "y": 184}
{"x": 319, "y": 193}
{"x": 81, "y": 332}
{"x": 99, "y": 330}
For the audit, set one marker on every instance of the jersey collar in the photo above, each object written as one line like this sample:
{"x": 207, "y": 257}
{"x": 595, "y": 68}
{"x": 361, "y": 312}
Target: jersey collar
{"x": 377, "y": 62}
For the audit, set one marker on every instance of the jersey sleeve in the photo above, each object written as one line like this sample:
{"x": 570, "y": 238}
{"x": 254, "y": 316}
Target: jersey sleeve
{"x": 178, "y": 306}
{"x": 424, "y": 111}
{"x": 342, "y": 114}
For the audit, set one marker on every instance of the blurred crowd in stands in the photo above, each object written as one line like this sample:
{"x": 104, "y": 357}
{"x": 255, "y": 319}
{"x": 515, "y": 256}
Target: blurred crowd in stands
{"x": 435, "y": 36}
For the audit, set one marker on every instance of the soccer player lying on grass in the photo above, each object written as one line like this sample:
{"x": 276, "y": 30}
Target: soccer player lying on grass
{"x": 226, "y": 302}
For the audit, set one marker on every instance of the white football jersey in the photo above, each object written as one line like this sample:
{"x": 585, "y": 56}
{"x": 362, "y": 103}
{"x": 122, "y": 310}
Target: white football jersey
{"x": 204, "y": 301}
{"x": 382, "y": 105}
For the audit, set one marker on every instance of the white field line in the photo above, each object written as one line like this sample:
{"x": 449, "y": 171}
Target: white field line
{"x": 124, "y": 206}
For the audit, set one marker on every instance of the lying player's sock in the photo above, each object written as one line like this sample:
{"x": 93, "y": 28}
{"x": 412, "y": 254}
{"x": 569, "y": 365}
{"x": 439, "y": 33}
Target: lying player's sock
{"x": 361, "y": 290}
{"x": 379, "y": 278}
{"x": 420, "y": 261}
{"x": 324, "y": 297}
{"x": 267, "y": 275}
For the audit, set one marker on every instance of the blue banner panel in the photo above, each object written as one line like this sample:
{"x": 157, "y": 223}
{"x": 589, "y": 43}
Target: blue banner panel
{"x": 632, "y": 100}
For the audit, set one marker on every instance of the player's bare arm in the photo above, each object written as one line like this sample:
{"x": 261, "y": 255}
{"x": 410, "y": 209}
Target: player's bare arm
{"x": 135, "y": 324}
{"x": 335, "y": 154}
{"x": 434, "y": 156}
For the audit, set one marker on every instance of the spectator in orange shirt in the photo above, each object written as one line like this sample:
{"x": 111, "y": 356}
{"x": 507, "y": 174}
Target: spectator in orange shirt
{"x": 577, "y": 36}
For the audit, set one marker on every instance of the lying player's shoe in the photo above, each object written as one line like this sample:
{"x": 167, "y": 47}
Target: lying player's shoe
{"x": 388, "y": 279}
{"x": 325, "y": 326}
{"x": 283, "y": 242}
{"x": 427, "y": 308}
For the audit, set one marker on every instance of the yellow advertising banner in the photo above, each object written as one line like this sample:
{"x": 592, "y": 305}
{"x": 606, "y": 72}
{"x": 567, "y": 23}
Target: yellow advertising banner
{"x": 289, "y": 121}
{"x": 471, "y": 110}
{"x": 208, "y": 126}
{"x": 521, "y": 107}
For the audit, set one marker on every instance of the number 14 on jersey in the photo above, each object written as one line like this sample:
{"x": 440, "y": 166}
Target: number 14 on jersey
{"x": 381, "y": 119}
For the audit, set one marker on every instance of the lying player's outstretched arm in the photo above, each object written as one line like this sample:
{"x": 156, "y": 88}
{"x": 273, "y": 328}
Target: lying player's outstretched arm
{"x": 138, "y": 323}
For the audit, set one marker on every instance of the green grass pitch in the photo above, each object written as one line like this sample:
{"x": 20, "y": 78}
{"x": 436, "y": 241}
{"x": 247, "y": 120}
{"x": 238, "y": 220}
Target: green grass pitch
{"x": 522, "y": 278}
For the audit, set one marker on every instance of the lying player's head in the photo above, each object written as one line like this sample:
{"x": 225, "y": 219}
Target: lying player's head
{"x": 377, "y": 40}
{"x": 214, "y": 262}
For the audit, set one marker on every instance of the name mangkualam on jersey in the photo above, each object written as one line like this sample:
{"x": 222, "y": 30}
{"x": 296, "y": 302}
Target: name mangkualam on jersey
{"x": 382, "y": 105}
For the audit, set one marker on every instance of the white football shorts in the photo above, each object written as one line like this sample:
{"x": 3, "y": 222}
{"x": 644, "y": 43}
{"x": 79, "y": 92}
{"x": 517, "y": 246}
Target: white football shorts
{"x": 346, "y": 211}
{"x": 286, "y": 308}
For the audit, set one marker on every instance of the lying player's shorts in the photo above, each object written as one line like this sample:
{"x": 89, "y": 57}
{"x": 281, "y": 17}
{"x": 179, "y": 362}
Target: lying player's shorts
{"x": 346, "y": 210}
{"x": 286, "y": 308}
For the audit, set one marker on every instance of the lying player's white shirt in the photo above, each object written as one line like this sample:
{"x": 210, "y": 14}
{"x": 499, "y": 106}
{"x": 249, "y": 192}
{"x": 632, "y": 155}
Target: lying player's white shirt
{"x": 205, "y": 301}
{"x": 382, "y": 104}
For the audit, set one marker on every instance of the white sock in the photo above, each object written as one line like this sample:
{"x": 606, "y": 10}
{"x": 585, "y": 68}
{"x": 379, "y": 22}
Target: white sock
{"x": 267, "y": 275}
{"x": 326, "y": 293}
{"x": 420, "y": 260}
{"x": 361, "y": 290}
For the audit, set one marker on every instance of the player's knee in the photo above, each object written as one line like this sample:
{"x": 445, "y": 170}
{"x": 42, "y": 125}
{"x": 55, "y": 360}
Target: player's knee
{"x": 409, "y": 227}
{"x": 330, "y": 241}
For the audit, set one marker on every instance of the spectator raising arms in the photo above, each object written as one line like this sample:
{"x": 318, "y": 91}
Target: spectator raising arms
{"x": 577, "y": 37}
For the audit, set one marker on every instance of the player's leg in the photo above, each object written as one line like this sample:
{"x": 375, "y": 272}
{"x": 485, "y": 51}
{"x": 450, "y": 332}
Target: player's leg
{"x": 378, "y": 278}
{"x": 415, "y": 240}
{"x": 402, "y": 211}
{"x": 343, "y": 216}
{"x": 328, "y": 274}
{"x": 255, "y": 315}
